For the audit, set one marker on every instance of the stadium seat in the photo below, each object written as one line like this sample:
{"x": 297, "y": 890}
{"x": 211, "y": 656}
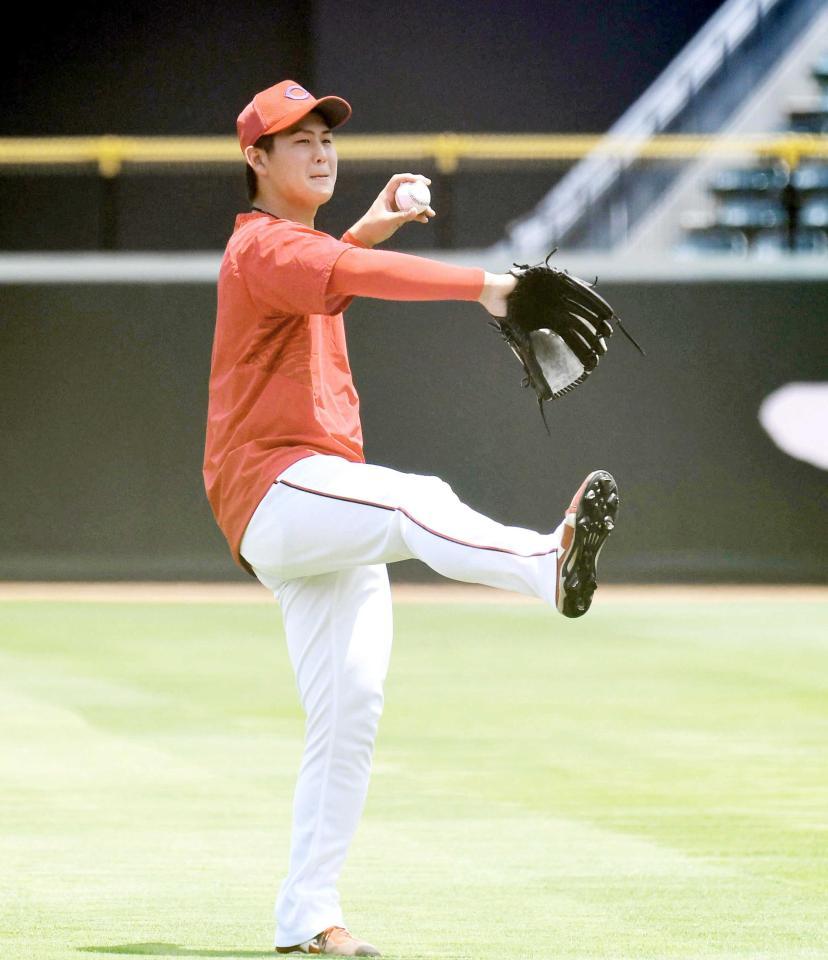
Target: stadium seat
{"x": 713, "y": 240}
{"x": 811, "y": 179}
{"x": 702, "y": 234}
{"x": 749, "y": 181}
{"x": 751, "y": 214}
{"x": 810, "y": 120}
{"x": 820, "y": 73}
{"x": 777, "y": 241}
{"x": 814, "y": 213}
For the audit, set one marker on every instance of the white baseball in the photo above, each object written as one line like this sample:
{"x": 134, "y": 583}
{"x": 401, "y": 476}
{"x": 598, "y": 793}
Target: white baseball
{"x": 412, "y": 193}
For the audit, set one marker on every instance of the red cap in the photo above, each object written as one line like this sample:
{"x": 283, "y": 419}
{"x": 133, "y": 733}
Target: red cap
{"x": 281, "y": 106}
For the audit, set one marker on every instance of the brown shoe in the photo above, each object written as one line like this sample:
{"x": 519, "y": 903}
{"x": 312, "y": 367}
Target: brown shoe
{"x": 336, "y": 942}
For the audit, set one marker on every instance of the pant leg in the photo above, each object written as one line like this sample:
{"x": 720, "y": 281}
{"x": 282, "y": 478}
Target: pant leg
{"x": 338, "y": 628}
{"x": 326, "y": 514}
{"x": 313, "y": 538}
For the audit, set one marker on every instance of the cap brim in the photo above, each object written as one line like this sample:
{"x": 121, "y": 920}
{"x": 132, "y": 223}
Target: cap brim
{"x": 334, "y": 109}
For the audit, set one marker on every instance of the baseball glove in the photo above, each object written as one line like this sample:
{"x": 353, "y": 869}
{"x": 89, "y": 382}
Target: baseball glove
{"x": 557, "y": 326}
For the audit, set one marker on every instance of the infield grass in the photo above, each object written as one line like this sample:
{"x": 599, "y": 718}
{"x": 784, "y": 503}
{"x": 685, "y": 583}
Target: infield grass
{"x": 648, "y": 782}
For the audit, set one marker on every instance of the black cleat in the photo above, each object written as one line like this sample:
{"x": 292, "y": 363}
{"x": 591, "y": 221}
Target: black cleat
{"x": 587, "y": 524}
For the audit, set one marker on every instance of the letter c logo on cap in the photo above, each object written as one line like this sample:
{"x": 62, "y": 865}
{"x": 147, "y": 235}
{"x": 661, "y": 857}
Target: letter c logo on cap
{"x": 297, "y": 93}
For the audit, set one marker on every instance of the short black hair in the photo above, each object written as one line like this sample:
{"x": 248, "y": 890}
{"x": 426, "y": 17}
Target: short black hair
{"x": 263, "y": 143}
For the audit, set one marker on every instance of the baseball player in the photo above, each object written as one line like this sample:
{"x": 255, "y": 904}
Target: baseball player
{"x": 301, "y": 510}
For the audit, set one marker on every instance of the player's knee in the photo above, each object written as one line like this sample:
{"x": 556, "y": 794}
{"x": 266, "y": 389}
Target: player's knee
{"x": 362, "y": 699}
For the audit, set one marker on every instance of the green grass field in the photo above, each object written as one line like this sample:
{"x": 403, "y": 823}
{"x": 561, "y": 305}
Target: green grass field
{"x": 650, "y": 781}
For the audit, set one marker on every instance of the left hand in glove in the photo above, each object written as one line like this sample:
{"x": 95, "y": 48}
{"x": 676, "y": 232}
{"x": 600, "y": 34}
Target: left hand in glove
{"x": 557, "y": 326}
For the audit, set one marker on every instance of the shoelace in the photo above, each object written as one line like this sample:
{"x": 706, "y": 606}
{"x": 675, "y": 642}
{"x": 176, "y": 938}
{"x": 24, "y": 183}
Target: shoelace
{"x": 322, "y": 938}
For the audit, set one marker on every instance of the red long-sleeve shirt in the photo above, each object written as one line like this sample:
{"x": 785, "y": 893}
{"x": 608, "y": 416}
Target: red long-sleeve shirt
{"x": 280, "y": 382}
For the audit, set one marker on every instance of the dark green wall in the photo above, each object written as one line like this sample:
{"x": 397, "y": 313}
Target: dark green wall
{"x": 103, "y": 392}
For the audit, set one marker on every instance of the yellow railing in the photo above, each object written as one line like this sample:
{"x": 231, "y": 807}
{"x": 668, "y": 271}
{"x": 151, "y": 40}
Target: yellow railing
{"x": 446, "y": 150}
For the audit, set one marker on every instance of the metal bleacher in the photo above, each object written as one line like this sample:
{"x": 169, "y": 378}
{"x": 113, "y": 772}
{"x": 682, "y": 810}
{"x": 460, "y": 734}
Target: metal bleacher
{"x": 622, "y": 202}
{"x": 770, "y": 207}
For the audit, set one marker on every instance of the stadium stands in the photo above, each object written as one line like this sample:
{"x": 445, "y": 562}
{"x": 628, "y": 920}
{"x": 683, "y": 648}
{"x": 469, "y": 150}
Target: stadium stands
{"x": 769, "y": 208}
{"x": 719, "y": 85}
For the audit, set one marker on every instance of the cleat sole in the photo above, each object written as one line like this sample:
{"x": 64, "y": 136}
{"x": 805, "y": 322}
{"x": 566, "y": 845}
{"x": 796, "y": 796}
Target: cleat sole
{"x": 591, "y": 518}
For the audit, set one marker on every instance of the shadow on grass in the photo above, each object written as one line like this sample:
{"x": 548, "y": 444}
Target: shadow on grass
{"x": 174, "y": 950}
{"x": 171, "y": 950}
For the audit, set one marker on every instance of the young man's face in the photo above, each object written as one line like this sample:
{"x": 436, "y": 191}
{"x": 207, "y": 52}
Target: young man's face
{"x": 302, "y": 164}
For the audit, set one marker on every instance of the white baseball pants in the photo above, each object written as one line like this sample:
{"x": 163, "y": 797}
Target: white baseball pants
{"x": 320, "y": 540}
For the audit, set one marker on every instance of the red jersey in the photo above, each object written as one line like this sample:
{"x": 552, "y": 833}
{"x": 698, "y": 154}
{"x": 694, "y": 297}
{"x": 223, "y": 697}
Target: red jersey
{"x": 280, "y": 381}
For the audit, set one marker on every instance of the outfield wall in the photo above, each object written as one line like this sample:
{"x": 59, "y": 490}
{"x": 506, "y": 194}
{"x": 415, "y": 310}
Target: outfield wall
{"x": 104, "y": 389}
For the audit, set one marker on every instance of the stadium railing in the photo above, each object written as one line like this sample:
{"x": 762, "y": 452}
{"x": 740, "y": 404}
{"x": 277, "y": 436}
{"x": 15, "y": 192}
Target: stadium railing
{"x": 109, "y": 157}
